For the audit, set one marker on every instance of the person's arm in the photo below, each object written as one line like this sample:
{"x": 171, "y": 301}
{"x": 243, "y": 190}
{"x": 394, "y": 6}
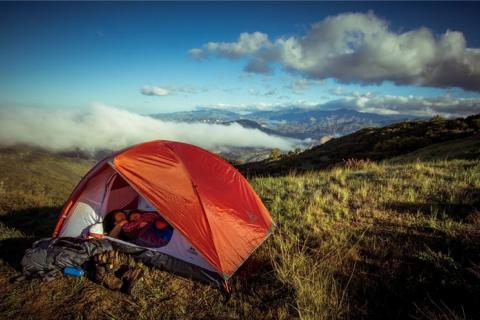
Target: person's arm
{"x": 147, "y": 218}
{"x": 116, "y": 230}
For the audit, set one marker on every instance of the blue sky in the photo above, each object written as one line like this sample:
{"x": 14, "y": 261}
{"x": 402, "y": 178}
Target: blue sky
{"x": 68, "y": 55}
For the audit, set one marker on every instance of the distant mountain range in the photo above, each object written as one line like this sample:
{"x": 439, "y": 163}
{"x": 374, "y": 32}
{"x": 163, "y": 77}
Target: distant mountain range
{"x": 291, "y": 122}
{"x": 200, "y": 115}
{"x": 437, "y": 137}
{"x": 250, "y": 124}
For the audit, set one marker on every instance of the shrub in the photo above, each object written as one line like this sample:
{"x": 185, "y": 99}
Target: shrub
{"x": 275, "y": 153}
{"x": 356, "y": 164}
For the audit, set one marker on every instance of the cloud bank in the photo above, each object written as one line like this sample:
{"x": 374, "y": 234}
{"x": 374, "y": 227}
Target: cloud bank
{"x": 445, "y": 105}
{"x": 103, "y": 127}
{"x": 246, "y": 43}
{"x": 360, "y": 48}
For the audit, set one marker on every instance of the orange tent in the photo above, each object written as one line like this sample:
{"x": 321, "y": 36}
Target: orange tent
{"x": 217, "y": 217}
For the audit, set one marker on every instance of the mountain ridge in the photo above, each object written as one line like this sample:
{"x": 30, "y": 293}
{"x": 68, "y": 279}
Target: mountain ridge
{"x": 369, "y": 144}
{"x": 295, "y": 122}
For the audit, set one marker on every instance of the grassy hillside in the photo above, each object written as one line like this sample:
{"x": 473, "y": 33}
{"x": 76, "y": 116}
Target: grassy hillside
{"x": 370, "y": 143}
{"x": 464, "y": 148}
{"x": 34, "y": 184}
{"x": 32, "y": 178}
{"x": 365, "y": 240}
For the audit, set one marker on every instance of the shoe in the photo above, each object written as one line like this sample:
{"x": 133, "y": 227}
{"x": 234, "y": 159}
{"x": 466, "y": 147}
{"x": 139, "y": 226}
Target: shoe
{"x": 113, "y": 260}
{"x": 99, "y": 273}
{"x": 112, "y": 282}
{"x": 100, "y": 258}
{"x": 130, "y": 279}
{"x": 104, "y": 276}
{"x": 104, "y": 273}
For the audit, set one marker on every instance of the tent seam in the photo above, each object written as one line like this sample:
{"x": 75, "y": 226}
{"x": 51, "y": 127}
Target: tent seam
{"x": 201, "y": 204}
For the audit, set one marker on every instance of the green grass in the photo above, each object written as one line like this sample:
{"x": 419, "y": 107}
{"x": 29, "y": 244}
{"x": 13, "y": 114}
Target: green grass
{"x": 364, "y": 240}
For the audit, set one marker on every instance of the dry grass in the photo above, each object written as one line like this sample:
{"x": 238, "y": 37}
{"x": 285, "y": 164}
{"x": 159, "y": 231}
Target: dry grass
{"x": 365, "y": 240}
{"x": 378, "y": 240}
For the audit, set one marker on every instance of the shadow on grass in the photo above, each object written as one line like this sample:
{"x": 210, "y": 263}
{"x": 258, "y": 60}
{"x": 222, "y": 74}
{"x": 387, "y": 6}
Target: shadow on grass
{"x": 455, "y": 211}
{"x": 464, "y": 203}
{"x": 34, "y": 223}
{"x": 13, "y": 249}
{"x": 406, "y": 268}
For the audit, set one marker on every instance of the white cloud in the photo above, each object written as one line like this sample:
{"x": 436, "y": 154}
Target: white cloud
{"x": 266, "y": 93}
{"x": 361, "y": 48}
{"x": 337, "y": 91}
{"x": 246, "y": 43}
{"x": 162, "y": 91}
{"x": 299, "y": 85}
{"x": 262, "y": 106}
{"x": 104, "y": 127}
{"x": 155, "y": 91}
{"x": 197, "y": 53}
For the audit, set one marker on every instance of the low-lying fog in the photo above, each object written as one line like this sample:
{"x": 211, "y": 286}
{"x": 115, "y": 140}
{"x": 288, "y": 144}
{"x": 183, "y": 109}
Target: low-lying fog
{"x": 102, "y": 127}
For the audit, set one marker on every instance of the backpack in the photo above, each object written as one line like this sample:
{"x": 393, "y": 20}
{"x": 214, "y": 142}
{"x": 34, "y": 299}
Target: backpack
{"x": 51, "y": 255}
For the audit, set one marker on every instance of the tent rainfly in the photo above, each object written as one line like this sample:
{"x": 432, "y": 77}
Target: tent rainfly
{"x": 217, "y": 217}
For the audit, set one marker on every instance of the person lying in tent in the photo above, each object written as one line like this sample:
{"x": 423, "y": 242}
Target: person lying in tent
{"x": 147, "y": 229}
{"x": 156, "y": 234}
{"x": 137, "y": 220}
{"x": 114, "y": 221}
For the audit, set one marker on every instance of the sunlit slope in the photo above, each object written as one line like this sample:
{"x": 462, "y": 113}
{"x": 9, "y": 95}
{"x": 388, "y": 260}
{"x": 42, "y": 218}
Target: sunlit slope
{"x": 31, "y": 177}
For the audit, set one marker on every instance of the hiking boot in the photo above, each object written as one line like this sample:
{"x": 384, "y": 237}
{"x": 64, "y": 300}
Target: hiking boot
{"x": 104, "y": 276}
{"x": 112, "y": 282}
{"x": 112, "y": 274}
{"x": 130, "y": 279}
{"x": 113, "y": 260}
{"x": 99, "y": 273}
{"x": 100, "y": 258}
